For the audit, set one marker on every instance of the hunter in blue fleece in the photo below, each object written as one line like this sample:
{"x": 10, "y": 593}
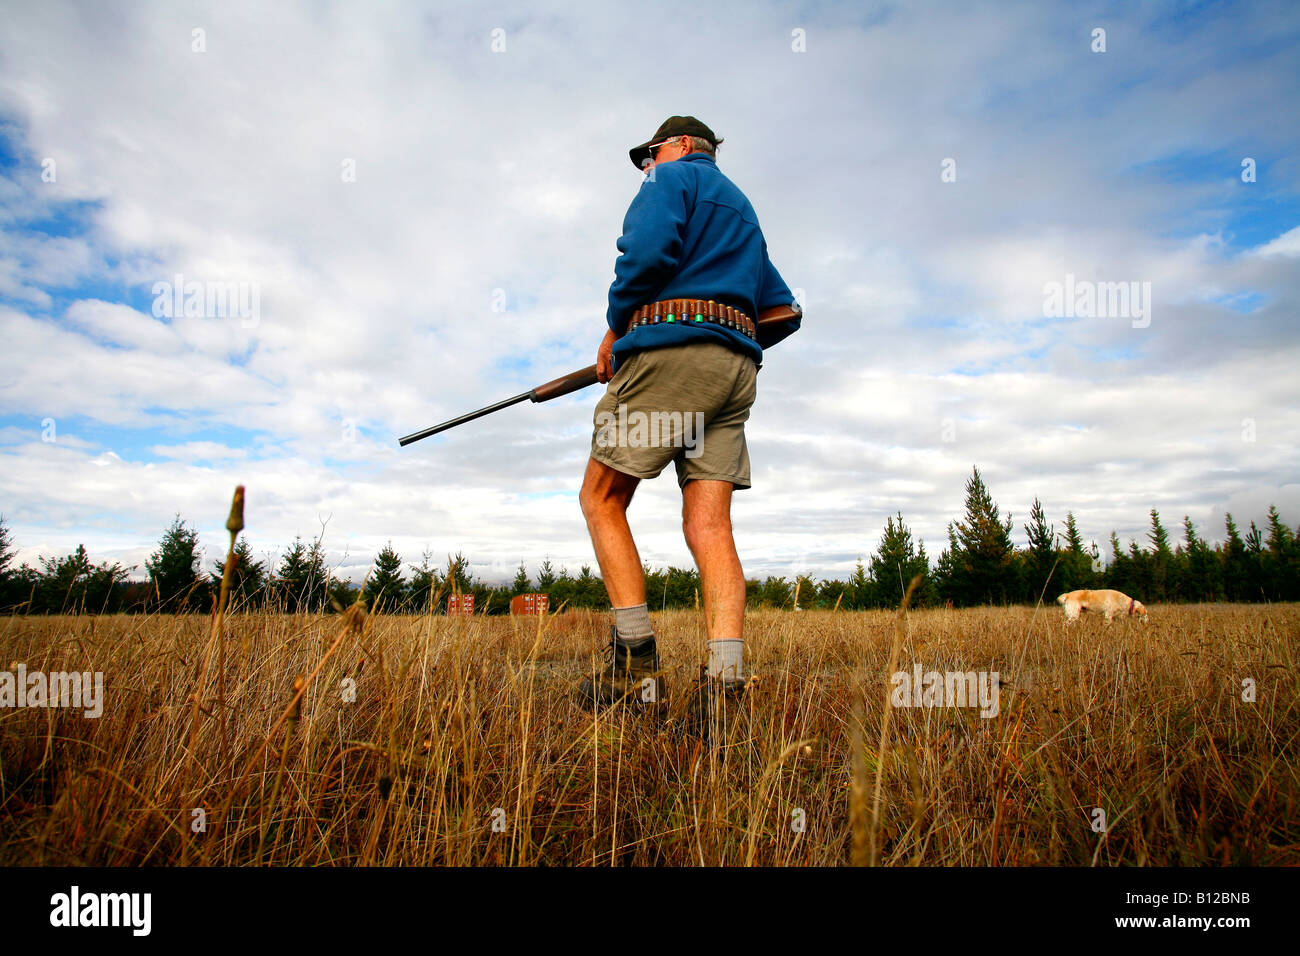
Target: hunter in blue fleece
{"x": 690, "y": 233}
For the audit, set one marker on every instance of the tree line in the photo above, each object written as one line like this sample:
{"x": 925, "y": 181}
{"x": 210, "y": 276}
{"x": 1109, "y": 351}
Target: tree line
{"x": 980, "y": 565}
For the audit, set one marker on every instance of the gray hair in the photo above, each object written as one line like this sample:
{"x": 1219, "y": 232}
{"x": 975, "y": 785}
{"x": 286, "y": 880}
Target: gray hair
{"x": 702, "y": 145}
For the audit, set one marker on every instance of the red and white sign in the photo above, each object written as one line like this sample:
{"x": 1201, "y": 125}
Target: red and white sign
{"x": 529, "y": 604}
{"x": 460, "y": 604}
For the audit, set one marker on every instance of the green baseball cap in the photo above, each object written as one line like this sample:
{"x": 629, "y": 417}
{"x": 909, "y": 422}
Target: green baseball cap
{"x": 672, "y": 126}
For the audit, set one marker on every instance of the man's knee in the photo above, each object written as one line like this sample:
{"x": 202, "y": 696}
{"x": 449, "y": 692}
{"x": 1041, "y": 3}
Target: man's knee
{"x": 605, "y": 491}
{"x": 588, "y": 499}
{"x": 596, "y": 502}
{"x": 704, "y": 526}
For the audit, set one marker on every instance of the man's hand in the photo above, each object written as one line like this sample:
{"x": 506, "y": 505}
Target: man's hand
{"x": 605, "y": 358}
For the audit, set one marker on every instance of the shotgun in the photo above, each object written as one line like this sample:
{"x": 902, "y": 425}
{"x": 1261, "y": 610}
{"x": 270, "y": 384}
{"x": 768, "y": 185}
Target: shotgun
{"x": 573, "y": 382}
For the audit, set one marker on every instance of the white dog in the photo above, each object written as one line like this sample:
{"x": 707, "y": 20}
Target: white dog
{"x": 1108, "y": 603}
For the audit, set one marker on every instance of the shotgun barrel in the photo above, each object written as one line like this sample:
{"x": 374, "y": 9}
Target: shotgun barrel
{"x": 542, "y": 393}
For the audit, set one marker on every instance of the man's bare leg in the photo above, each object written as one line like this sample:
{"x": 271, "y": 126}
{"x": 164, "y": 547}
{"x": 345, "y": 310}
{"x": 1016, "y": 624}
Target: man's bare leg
{"x": 605, "y": 496}
{"x": 706, "y": 521}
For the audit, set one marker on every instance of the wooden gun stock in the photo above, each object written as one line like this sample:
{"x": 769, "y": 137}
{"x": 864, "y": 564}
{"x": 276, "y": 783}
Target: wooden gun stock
{"x": 565, "y": 384}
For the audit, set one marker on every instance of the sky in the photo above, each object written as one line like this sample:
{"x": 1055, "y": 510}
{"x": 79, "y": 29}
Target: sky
{"x": 413, "y": 210}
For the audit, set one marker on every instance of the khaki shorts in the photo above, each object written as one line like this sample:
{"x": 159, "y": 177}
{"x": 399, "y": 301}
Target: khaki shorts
{"x": 687, "y": 404}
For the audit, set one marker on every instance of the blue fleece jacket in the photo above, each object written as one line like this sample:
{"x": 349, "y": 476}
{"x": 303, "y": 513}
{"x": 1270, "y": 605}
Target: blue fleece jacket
{"x": 690, "y": 233}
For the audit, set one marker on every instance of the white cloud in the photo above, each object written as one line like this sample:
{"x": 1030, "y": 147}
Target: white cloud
{"x": 199, "y": 451}
{"x": 123, "y": 325}
{"x": 1287, "y": 244}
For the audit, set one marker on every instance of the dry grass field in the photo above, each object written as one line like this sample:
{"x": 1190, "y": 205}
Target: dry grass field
{"x": 463, "y": 744}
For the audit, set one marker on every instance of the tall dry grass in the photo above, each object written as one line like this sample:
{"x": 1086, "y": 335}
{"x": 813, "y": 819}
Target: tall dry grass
{"x": 464, "y": 746}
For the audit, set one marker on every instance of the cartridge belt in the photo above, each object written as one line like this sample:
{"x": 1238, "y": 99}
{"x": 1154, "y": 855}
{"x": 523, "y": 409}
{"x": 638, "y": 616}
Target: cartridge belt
{"x": 692, "y": 312}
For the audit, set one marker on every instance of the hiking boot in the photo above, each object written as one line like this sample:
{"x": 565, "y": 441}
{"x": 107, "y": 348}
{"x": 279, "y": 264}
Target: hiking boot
{"x": 631, "y": 675}
{"x": 716, "y": 706}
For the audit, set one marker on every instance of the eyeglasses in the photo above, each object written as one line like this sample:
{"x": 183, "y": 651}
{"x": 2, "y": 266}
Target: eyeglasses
{"x": 655, "y": 146}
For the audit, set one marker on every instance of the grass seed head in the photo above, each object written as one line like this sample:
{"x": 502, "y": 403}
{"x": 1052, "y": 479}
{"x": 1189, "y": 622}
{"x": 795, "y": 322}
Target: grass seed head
{"x": 235, "y": 523}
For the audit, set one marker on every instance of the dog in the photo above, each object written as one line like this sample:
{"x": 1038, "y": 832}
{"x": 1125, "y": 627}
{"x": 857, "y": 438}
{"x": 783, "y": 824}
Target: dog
{"x": 1108, "y": 603}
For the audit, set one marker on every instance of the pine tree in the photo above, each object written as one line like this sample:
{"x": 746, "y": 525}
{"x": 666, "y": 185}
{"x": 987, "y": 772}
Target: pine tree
{"x": 833, "y": 594}
{"x": 681, "y": 586}
{"x": 423, "y": 586}
{"x": 7, "y": 550}
{"x": 1178, "y": 584}
{"x": 291, "y": 576}
{"x": 343, "y": 594}
{"x": 1156, "y": 567}
{"x": 72, "y": 585}
{"x": 1235, "y": 575}
{"x": 656, "y": 591}
{"x": 174, "y": 570}
{"x": 24, "y": 591}
{"x": 565, "y": 590}
{"x": 945, "y": 570}
{"x": 1158, "y": 536}
{"x": 1281, "y": 561}
{"x": 1073, "y": 540}
{"x": 386, "y": 586}
{"x": 1279, "y": 535}
{"x": 1119, "y": 574}
{"x": 1041, "y": 560}
{"x": 894, "y": 564}
{"x": 247, "y": 578}
{"x": 1075, "y": 570}
{"x": 805, "y": 592}
{"x": 859, "y": 589}
{"x": 925, "y": 594}
{"x": 521, "y": 583}
{"x": 318, "y": 578}
{"x": 458, "y": 573}
{"x": 590, "y": 589}
{"x": 62, "y": 581}
{"x": 1142, "y": 578}
{"x": 7, "y": 575}
{"x": 103, "y": 592}
{"x": 1257, "y": 586}
{"x": 983, "y": 565}
{"x": 1200, "y": 577}
{"x": 1255, "y": 540}
{"x": 492, "y": 600}
{"x": 777, "y": 592}
{"x": 545, "y": 577}
{"x": 302, "y": 577}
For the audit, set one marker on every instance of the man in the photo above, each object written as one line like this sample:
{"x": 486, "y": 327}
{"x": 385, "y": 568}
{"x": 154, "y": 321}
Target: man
{"x": 681, "y": 350}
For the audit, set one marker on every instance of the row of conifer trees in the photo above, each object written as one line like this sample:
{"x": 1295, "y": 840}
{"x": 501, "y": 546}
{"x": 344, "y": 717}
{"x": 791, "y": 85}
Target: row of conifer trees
{"x": 980, "y": 565}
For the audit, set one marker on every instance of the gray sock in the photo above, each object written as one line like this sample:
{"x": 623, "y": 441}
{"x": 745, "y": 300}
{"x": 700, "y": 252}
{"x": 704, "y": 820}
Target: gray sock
{"x": 726, "y": 658}
{"x": 633, "y": 624}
